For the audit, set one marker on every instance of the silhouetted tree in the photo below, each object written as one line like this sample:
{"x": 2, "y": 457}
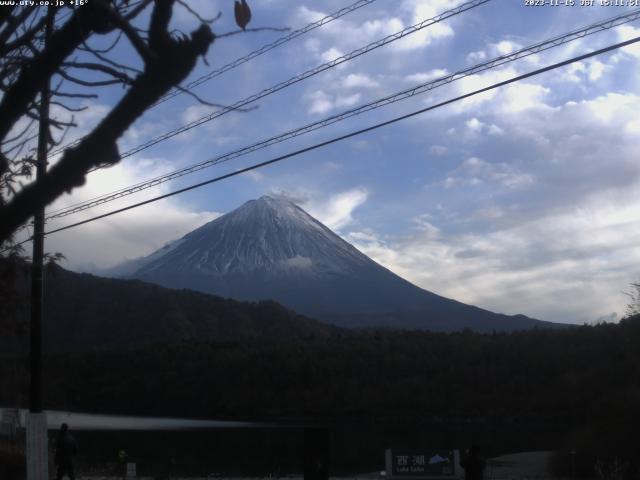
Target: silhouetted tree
{"x": 67, "y": 57}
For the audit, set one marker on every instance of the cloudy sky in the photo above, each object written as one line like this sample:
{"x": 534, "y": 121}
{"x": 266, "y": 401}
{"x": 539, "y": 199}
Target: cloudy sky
{"x": 522, "y": 200}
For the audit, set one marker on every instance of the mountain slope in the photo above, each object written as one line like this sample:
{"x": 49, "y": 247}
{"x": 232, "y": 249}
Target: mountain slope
{"x": 272, "y": 249}
{"x": 86, "y": 312}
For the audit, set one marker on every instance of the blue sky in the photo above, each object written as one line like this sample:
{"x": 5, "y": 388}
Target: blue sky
{"x": 522, "y": 200}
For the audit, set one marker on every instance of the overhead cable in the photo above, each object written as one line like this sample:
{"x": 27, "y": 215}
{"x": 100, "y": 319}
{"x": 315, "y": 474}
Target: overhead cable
{"x": 302, "y": 76}
{"x": 355, "y": 133}
{"x": 396, "y": 97}
{"x": 250, "y": 56}
{"x": 266, "y": 48}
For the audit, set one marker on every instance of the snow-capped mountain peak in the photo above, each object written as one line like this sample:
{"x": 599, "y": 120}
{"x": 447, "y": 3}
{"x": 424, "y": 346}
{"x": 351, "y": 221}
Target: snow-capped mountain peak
{"x": 270, "y": 248}
{"x": 270, "y": 233}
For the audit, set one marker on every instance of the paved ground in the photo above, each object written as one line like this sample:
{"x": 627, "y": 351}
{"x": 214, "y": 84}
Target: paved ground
{"x": 519, "y": 466}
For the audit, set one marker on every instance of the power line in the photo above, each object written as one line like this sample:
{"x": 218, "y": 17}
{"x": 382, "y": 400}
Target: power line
{"x": 343, "y": 137}
{"x": 402, "y": 95}
{"x": 388, "y": 39}
{"x": 355, "y": 133}
{"x": 266, "y": 48}
{"x": 303, "y": 76}
{"x": 250, "y": 56}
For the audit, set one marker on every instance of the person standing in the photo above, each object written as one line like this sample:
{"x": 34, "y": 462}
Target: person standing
{"x": 122, "y": 463}
{"x": 66, "y": 449}
{"x": 473, "y": 464}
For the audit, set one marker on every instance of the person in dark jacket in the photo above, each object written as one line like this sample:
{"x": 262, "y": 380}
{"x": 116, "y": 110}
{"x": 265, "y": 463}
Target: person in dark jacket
{"x": 66, "y": 449}
{"x": 473, "y": 464}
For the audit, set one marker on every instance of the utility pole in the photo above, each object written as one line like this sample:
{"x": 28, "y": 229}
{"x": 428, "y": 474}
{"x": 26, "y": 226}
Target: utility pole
{"x": 37, "y": 440}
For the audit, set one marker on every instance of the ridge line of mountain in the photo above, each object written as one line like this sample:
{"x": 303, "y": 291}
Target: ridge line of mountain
{"x": 270, "y": 248}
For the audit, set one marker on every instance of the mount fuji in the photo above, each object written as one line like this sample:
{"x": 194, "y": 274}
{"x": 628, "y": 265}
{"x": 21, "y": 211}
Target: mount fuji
{"x": 270, "y": 248}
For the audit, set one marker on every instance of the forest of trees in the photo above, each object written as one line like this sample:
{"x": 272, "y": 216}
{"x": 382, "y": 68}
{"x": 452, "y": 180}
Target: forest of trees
{"x": 580, "y": 385}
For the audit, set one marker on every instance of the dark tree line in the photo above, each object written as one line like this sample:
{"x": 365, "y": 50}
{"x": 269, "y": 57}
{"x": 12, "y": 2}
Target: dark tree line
{"x": 582, "y": 383}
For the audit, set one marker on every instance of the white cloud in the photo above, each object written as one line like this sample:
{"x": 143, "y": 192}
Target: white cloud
{"x": 627, "y": 32}
{"x": 220, "y": 131}
{"x": 255, "y": 175}
{"x": 569, "y": 267}
{"x": 420, "y": 11}
{"x": 298, "y": 262}
{"x": 524, "y": 96}
{"x": 306, "y": 15}
{"x": 348, "y": 100}
{"x": 334, "y": 39}
{"x": 336, "y": 212}
{"x": 609, "y": 108}
{"x": 320, "y": 102}
{"x": 143, "y": 131}
{"x": 548, "y": 228}
{"x": 140, "y": 231}
{"x": 495, "y": 130}
{"x": 381, "y": 28}
{"x": 474, "y": 125}
{"x": 513, "y": 98}
{"x": 345, "y": 35}
{"x": 477, "y": 56}
{"x": 505, "y": 47}
{"x": 424, "y": 225}
{"x": 477, "y": 82}
{"x": 596, "y": 70}
{"x": 573, "y": 71}
{"x": 355, "y": 80}
{"x": 424, "y": 77}
{"x": 476, "y": 129}
{"x": 592, "y": 152}
{"x": 374, "y": 246}
{"x": 331, "y": 54}
{"x": 195, "y": 112}
{"x": 591, "y": 70}
{"x": 438, "y": 150}
{"x": 475, "y": 171}
{"x": 499, "y": 49}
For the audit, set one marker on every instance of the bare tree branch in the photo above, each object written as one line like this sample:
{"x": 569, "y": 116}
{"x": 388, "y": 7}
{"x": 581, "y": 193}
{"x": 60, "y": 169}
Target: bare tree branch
{"x": 135, "y": 39}
{"x": 25, "y": 38}
{"x": 198, "y": 16}
{"x": 98, "y": 67}
{"x": 87, "y": 48}
{"x": 114, "y": 64}
{"x": 5, "y": 14}
{"x": 21, "y": 133}
{"x": 137, "y": 10}
{"x": 210, "y": 104}
{"x": 26, "y": 87}
{"x": 59, "y": 124}
{"x": 74, "y": 95}
{"x": 23, "y": 142}
{"x": 88, "y": 83}
{"x": 68, "y": 108}
{"x": 13, "y": 23}
{"x": 93, "y": 17}
{"x": 99, "y": 147}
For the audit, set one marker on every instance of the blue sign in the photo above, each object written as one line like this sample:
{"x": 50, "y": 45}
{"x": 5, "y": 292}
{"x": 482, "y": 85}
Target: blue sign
{"x": 422, "y": 464}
